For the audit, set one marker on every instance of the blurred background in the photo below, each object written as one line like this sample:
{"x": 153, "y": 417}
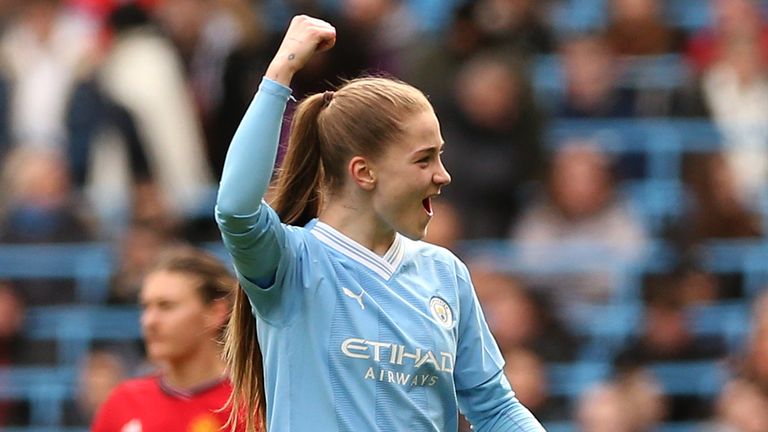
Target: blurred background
{"x": 610, "y": 179}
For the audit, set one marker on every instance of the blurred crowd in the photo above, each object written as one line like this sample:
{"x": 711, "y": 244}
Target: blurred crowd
{"x": 115, "y": 117}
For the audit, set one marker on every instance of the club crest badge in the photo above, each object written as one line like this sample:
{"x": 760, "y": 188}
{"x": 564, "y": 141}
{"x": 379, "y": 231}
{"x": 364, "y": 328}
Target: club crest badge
{"x": 441, "y": 312}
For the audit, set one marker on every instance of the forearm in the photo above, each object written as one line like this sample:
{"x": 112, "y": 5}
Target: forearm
{"x": 493, "y": 407}
{"x": 515, "y": 418}
{"x": 252, "y": 153}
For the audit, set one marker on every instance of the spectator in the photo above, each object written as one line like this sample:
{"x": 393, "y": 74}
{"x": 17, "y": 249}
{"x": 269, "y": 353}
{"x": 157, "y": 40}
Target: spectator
{"x": 741, "y": 407}
{"x": 519, "y": 319}
{"x": 591, "y": 72}
{"x": 667, "y": 336}
{"x": 630, "y": 402}
{"x": 754, "y": 366}
{"x": 601, "y": 409}
{"x": 735, "y": 21}
{"x": 743, "y": 403}
{"x": 527, "y": 372}
{"x": 735, "y": 88}
{"x": 12, "y": 314}
{"x": 579, "y": 214}
{"x": 142, "y": 72}
{"x": 207, "y": 34}
{"x": 138, "y": 250}
{"x": 516, "y": 25}
{"x": 637, "y": 27}
{"x": 43, "y": 52}
{"x": 718, "y": 209}
{"x": 436, "y": 60}
{"x": 387, "y": 29}
{"x": 41, "y": 206}
{"x": 99, "y": 373}
{"x": 495, "y": 133}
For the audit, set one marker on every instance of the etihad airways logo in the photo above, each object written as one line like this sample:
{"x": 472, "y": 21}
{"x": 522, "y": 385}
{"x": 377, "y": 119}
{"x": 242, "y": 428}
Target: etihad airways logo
{"x": 386, "y": 353}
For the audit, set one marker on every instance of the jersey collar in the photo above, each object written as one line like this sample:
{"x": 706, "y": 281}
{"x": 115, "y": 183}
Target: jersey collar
{"x": 180, "y": 393}
{"x": 383, "y": 266}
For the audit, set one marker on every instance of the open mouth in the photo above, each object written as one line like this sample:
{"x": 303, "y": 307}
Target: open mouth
{"x": 427, "y": 204}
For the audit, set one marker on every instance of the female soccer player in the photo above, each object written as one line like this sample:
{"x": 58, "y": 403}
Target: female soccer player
{"x": 361, "y": 327}
{"x": 186, "y": 304}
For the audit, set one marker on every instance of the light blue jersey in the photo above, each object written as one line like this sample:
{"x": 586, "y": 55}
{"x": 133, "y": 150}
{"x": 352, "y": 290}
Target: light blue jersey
{"x": 353, "y": 341}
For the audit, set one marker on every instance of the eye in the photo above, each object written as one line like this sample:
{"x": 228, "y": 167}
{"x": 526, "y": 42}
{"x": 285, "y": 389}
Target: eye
{"x": 426, "y": 159}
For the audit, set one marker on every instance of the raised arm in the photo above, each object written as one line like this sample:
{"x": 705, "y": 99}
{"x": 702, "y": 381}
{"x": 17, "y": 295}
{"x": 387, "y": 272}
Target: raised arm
{"x": 251, "y": 155}
{"x": 246, "y": 229}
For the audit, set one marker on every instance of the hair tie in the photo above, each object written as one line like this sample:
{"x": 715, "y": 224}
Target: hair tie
{"x": 327, "y": 98}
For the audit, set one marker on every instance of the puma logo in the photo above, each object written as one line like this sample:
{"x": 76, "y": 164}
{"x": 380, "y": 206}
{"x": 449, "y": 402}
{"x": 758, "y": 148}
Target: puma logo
{"x": 358, "y": 297}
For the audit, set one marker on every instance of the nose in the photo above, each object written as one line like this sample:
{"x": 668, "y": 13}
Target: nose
{"x": 441, "y": 177}
{"x": 148, "y": 319}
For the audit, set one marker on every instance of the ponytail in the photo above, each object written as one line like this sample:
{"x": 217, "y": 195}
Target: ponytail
{"x": 246, "y": 368}
{"x": 298, "y": 200}
{"x": 298, "y": 196}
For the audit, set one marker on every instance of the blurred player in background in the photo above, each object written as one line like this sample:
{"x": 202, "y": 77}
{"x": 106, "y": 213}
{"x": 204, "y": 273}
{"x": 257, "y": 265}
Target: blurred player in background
{"x": 186, "y": 303}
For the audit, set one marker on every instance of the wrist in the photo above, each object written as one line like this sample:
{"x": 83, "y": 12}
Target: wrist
{"x": 280, "y": 70}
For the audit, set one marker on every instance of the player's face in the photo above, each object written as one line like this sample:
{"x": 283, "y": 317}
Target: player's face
{"x": 409, "y": 175}
{"x": 174, "y": 319}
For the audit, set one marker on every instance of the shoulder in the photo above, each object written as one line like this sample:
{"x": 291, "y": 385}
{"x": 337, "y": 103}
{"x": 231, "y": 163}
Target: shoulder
{"x": 421, "y": 251}
{"x": 126, "y": 401}
{"x": 141, "y": 386}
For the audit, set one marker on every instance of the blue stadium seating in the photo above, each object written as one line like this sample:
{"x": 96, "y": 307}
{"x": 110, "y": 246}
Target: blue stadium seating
{"x": 88, "y": 265}
{"x": 44, "y": 388}
{"x": 76, "y": 328}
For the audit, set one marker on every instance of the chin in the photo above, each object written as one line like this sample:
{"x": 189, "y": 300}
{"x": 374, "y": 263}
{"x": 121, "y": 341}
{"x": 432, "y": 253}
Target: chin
{"x": 158, "y": 353}
{"x": 413, "y": 227}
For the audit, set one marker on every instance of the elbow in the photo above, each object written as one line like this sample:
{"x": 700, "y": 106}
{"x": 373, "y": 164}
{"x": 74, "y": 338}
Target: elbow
{"x": 232, "y": 205}
{"x": 237, "y": 200}
{"x": 235, "y": 219}
{"x": 225, "y": 208}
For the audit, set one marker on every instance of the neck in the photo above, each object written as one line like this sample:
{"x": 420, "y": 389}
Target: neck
{"x": 201, "y": 367}
{"x": 359, "y": 222}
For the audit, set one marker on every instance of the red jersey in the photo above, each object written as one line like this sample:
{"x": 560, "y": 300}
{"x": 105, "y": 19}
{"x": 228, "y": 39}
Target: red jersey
{"x": 150, "y": 405}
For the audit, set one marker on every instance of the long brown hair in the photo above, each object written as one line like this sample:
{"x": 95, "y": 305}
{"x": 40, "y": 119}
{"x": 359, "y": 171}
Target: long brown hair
{"x": 327, "y": 130}
{"x": 215, "y": 280}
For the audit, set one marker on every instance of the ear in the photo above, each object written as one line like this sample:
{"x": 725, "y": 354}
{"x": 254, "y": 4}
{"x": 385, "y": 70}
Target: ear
{"x": 218, "y": 311}
{"x": 362, "y": 173}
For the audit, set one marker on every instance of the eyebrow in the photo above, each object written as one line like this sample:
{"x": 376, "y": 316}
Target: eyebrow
{"x": 429, "y": 149}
